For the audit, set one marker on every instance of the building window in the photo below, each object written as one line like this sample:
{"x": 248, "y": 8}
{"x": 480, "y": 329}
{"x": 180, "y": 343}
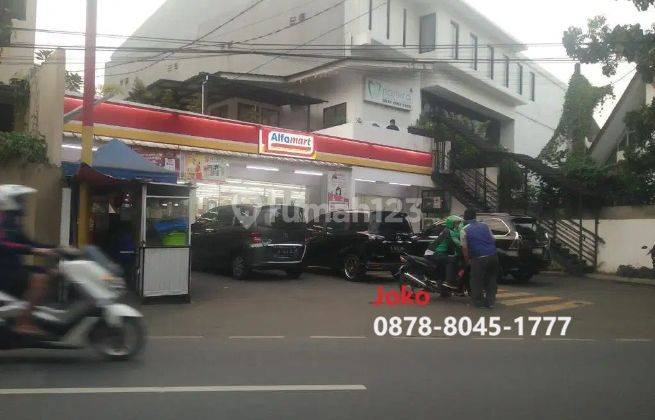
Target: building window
{"x": 248, "y": 113}
{"x": 17, "y": 8}
{"x": 370, "y": 15}
{"x": 492, "y": 62}
{"x": 506, "y": 75}
{"x": 404, "y": 27}
{"x": 428, "y": 33}
{"x": 474, "y": 56}
{"x": 222, "y": 111}
{"x": 533, "y": 87}
{"x": 270, "y": 117}
{"x": 454, "y": 37}
{"x": 388, "y": 19}
{"x": 334, "y": 115}
{"x": 520, "y": 78}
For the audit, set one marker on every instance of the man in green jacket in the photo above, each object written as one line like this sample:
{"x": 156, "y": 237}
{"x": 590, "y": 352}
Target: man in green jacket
{"x": 447, "y": 250}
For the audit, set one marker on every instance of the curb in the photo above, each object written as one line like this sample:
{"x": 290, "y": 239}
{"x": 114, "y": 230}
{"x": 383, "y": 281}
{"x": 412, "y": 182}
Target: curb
{"x": 624, "y": 280}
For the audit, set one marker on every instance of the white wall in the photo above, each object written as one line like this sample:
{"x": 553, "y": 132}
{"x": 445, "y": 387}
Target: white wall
{"x": 623, "y": 242}
{"x": 380, "y": 135}
{"x": 12, "y": 69}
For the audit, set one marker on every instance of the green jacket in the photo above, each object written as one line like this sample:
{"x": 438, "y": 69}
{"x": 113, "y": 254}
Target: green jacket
{"x": 448, "y": 241}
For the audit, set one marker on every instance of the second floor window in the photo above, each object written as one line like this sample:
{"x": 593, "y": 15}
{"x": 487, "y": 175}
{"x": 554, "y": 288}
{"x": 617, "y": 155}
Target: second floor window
{"x": 507, "y": 71}
{"x": 533, "y": 87}
{"x": 454, "y": 29}
{"x": 492, "y": 62}
{"x": 428, "y": 33}
{"x": 334, "y": 115}
{"x": 519, "y": 77}
{"x": 17, "y": 8}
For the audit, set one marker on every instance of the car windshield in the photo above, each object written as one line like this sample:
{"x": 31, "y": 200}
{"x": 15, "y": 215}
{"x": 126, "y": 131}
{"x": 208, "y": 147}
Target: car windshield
{"x": 389, "y": 222}
{"x": 281, "y": 217}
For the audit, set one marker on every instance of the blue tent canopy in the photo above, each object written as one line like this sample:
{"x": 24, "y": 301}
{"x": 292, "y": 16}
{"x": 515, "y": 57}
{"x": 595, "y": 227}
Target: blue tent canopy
{"x": 118, "y": 160}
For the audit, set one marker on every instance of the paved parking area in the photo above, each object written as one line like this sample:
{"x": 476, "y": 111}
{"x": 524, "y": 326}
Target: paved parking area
{"x": 323, "y": 304}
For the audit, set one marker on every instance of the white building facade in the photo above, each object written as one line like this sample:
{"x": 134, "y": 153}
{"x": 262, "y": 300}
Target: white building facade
{"x": 370, "y": 61}
{"x": 419, "y": 50}
{"x": 16, "y": 62}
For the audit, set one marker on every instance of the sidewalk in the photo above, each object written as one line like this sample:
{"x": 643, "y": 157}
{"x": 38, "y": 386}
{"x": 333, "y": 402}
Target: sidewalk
{"x": 619, "y": 279}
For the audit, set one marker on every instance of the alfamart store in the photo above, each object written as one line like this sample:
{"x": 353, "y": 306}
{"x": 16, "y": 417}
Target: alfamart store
{"x": 236, "y": 162}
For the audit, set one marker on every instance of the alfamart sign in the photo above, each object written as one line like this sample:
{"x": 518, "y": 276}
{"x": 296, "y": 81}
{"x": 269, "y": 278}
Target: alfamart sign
{"x": 284, "y": 143}
{"x": 387, "y": 94}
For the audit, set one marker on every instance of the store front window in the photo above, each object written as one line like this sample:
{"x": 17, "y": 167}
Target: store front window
{"x": 239, "y": 191}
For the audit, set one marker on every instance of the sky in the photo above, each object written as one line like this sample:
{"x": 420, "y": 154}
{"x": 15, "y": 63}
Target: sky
{"x": 531, "y": 21}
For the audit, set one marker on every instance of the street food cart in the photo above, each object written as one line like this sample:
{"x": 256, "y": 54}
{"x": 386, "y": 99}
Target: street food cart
{"x": 140, "y": 216}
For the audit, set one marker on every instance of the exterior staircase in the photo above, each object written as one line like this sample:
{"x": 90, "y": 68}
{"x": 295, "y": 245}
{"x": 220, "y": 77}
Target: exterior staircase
{"x": 572, "y": 245}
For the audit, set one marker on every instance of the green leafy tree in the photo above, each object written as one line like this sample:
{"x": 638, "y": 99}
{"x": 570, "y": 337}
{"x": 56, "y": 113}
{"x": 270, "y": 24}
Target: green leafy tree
{"x": 73, "y": 81}
{"x": 633, "y": 180}
{"x": 166, "y": 98}
{"x": 610, "y": 46}
{"x": 577, "y": 123}
{"x": 21, "y": 148}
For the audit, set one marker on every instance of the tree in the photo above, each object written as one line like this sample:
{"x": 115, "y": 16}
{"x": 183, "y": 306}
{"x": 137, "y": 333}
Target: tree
{"x": 632, "y": 180}
{"x": 43, "y": 55}
{"x": 73, "y": 81}
{"x": 577, "y": 123}
{"x": 610, "y": 46}
{"x": 166, "y": 98}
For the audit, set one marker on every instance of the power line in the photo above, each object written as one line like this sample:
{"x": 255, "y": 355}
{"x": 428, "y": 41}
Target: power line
{"x": 227, "y": 22}
{"x": 370, "y": 11}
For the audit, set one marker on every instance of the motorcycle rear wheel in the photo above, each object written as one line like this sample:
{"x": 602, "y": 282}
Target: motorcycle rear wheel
{"x": 119, "y": 343}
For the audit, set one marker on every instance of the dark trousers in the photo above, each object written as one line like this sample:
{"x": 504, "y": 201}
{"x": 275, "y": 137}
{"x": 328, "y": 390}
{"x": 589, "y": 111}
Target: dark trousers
{"x": 446, "y": 267}
{"x": 484, "y": 274}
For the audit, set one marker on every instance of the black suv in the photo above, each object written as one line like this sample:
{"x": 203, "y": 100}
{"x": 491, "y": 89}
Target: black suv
{"x": 523, "y": 248}
{"x": 244, "y": 237}
{"x": 358, "y": 241}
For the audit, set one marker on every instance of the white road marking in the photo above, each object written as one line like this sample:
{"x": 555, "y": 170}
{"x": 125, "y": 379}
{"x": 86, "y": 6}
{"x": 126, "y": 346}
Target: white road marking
{"x": 179, "y": 389}
{"x": 634, "y": 340}
{"x": 176, "y": 337}
{"x": 337, "y": 337}
{"x": 589, "y": 340}
{"x": 256, "y": 337}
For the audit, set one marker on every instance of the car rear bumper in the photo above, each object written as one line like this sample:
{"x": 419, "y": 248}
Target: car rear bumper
{"x": 268, "y": 257}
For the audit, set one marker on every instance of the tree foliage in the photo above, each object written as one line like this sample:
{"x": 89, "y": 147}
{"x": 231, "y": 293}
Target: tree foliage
{"x": 73, "y": 81}
{"x": 21, "y": 148}
{"x": 577, "y": 123}
{"x": 610, "y": 46}
{"x": 166, "y": 98}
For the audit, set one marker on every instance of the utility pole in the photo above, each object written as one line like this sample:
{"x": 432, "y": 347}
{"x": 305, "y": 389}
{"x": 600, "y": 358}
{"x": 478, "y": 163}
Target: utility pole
{"x": 87, "y": 117}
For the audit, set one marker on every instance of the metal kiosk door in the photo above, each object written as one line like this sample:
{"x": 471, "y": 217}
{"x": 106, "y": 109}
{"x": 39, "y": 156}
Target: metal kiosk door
{"x": 165, "y": 257}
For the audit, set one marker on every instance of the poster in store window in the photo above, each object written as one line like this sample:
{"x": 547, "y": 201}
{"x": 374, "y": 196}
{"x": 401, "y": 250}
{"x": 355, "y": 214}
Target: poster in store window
{"x": 338, "y": 189}
{"x": 164, "y": 158}
{"x": 205, "y": 167}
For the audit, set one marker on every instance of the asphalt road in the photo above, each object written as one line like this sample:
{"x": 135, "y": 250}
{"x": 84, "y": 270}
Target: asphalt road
{"x": 234, "y": 352}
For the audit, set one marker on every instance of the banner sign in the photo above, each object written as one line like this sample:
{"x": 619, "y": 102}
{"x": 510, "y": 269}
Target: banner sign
{"x": 205, "y": 167}
{"x": 338, "y": 190}
{"x": 387, "y": 94}
{"x": 284, "y": 143}
{"x": 164, "y": 158}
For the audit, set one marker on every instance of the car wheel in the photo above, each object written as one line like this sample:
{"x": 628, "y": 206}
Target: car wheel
{"x": 353, "y": 270}
{"x": 240, "y": 268}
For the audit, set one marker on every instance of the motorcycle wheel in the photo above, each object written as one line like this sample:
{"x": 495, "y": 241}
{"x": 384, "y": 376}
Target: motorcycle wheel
{"x": 119, "y": 343}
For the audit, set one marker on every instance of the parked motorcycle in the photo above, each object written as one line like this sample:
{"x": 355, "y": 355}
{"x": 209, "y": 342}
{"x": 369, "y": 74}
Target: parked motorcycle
{"x": 420, "y": 273}
{"x": 91, "y": 315}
